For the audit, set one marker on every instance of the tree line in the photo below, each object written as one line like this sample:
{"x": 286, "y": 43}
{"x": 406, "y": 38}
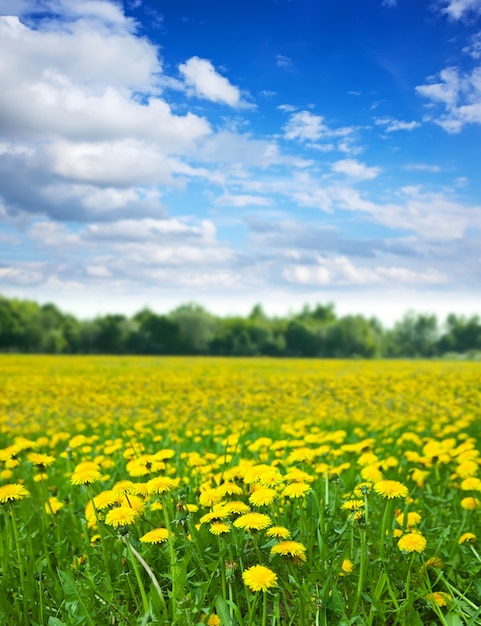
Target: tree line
{"x": 316, "y": 331}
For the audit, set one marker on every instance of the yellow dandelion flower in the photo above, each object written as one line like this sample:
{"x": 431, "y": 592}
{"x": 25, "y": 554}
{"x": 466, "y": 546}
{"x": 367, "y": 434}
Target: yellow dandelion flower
{"x": 105, "y": 499}
{"x": 219, "y": 528}
{"x": 217, "y": 514}
{"x": 229, "y": 489}
{"x": 41, "y": 460}
{"x": 259, "y": 578}
{"x": 408, "y": 519}
{"x": 209, "y": 497}
{"x": 85, "y": 476}
{"x": 470, "y": 503}
{"x": 263, "y": 496}
{"x": 279, "y": 532}
{"x": 412, "y": 542}
{"x": 53, "y": 505}
{"x": 471, "y": 483}
{"x": 236, "y": 507}
{"x": 296, "y": 490}
{"x": 467, "y": 538}
{"x": 158, "y": 535}
{"x": 391, "y": 489}
{"x": 441, "y": 598}
{"x": 292, "y": 549}
{"x": 162, "y": 484}
{"x": 346, "y": 567}
{"x": 371, "y": 473}
{"x": 12, "y": 492}
{"x": 121, "y": 516}
{"x": 435, "y": 562}
{"x": 299, "y": 476}
{"x": 352, "y": 505}
{"x": 253, "y": 521}
{"x": 214, "y": 620}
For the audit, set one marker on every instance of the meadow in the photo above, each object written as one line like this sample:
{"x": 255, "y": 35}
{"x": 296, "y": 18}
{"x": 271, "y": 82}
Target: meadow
{"x": 239, "y": 492}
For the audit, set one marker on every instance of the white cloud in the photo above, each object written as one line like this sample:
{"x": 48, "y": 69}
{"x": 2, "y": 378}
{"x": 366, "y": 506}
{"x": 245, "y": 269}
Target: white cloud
{"x": 205, "y": 82}
{"x": 474, "y": 46}
{"x": 243, "y": 200}
{"x": 459, "y": 94}
{"x": 393, "y": 125}
{"x": 355, "y": 169}
{"x": 306, "y": 127}
{"x": 284, "y": 62}
{"x": 340, "y": 270}
{"x": 458, "y": 9}
{"x": 422, "y": 167}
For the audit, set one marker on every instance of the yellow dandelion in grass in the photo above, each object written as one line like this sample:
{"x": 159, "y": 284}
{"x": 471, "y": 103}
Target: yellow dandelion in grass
{"x": 467, "y": 538}
{"x": 472, "y": 483}
{"x": 435, "y": 562}
{"x": 229, "y": 489}
{"x": 209, "y": 497}
{"x": 391, "y": 489}
{"x": 270, "y": 478}
{"x": 440, "y": 598}
{"x": 279, "y": 532}
{"x": 236, "y": 507}
{"x": 412, "y": 542}
{"x": 121, "y": 516}
{"x": 296, "y": 490}
{"x": 408, "y": 519}
{"x": 219, "y": 528}
{"x": 40, "y": 460}
{"x": 134, "y": 502}
{"x": 292, "y": 549}
{"x": 467, "y": 469}
{"x": 352, "y": 505}
{"x": 158, "y": 535}
{"x": 259, "y": 578}
{"x": 263, "y": 496}
{"x": 12, "y": 492}
{"x": 470, "y": 503}
{"x": 299, "y": 476}
{"x": 346, "y": 567}
{"x": 371, "y": 473}
{"x": 53, "y": 505}
{"x": 105, "y": 499}
{"x": 214, "y": 620}
{"x": 162, "y": 484}
{"x": 86, "y": 473}
{"x": 217, "y": 514}
{"x": 253, "y": 521}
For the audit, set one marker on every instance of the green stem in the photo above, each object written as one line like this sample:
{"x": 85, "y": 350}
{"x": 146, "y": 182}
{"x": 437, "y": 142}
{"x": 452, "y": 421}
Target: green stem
{"x": 20, "y": 563}
{"x": 145, "y": 600}
{"x": 174, "y": 567}
{"x": 362, "y": 571}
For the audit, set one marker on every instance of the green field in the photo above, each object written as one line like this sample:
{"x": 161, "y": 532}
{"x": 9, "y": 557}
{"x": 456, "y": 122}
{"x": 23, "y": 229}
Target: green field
{"x": 239, "y": 492}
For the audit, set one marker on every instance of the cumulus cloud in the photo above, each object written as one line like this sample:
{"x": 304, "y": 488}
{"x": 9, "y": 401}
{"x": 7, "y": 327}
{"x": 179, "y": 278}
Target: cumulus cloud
{"x": 458, "y": 9}
{"x": 458, "y": 93}
{"x": 355, "y": 169}
{"x": 392, "y": 125}
{"x": 340, "y": 270}
{"x": 306, "y": 127}
{"x": 474, "y": 46}
{"x": 204, "y": 81}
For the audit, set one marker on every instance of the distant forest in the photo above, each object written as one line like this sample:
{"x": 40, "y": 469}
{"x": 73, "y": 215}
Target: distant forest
{"x": 317, "y": 331}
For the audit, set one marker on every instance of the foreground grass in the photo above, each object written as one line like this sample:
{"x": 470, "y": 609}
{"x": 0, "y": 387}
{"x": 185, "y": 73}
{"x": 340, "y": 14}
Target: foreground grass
{"x": 239, "y": 492}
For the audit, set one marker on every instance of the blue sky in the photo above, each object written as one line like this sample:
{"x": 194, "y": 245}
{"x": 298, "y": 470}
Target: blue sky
{"x": 282, "y": 152}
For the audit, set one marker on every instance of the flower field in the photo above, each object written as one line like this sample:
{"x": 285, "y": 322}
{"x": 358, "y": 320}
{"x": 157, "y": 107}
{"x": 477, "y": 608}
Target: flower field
{"x": 239, "y": 492}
